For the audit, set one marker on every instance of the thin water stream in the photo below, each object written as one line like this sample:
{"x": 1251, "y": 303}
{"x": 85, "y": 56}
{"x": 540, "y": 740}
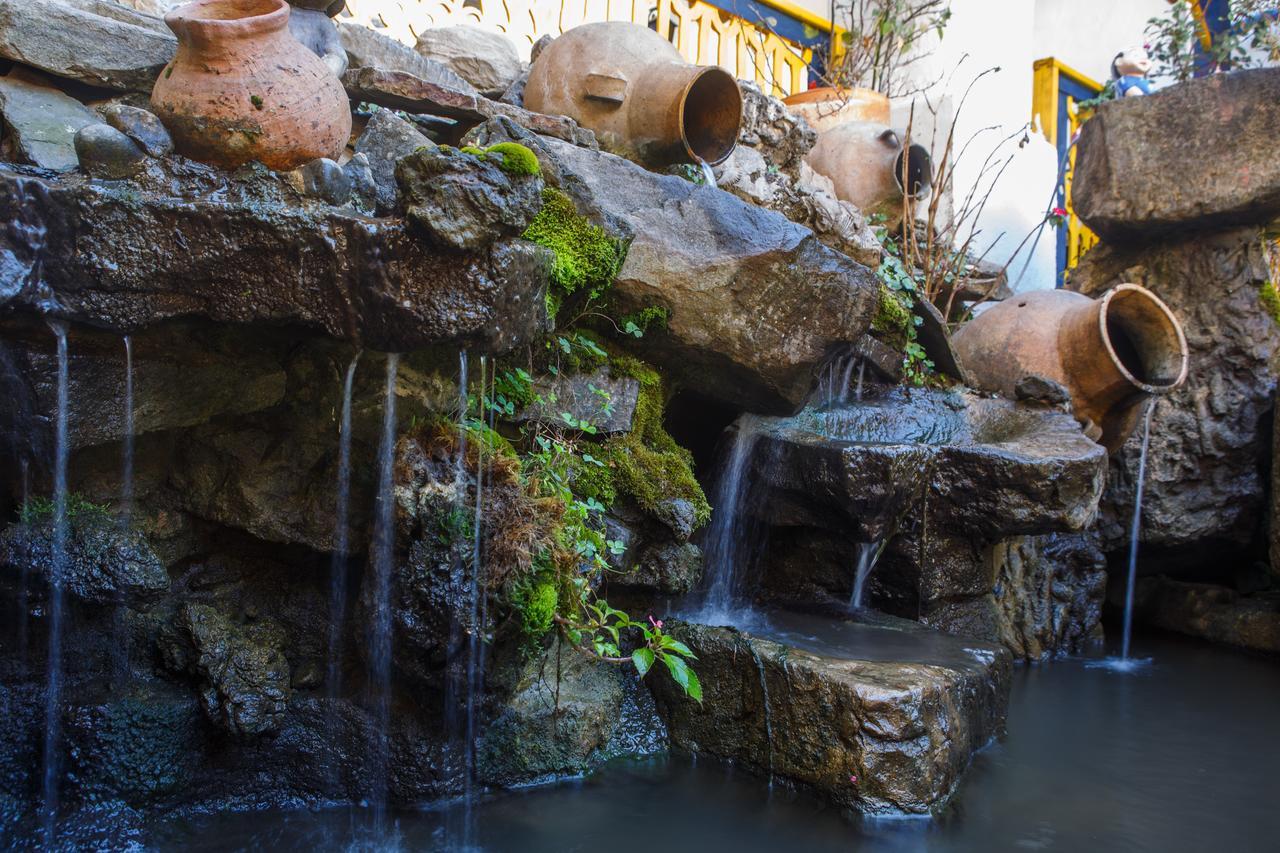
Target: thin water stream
{"x": 1135, "y": 528}
{"x": 338, "y": 560}
{"x": 868, "y": 553}
{"x": 126, "y": 464}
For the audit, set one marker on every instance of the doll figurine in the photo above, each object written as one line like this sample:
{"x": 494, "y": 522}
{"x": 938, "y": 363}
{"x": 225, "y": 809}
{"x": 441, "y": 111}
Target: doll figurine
{"x": 1129, "y": 72}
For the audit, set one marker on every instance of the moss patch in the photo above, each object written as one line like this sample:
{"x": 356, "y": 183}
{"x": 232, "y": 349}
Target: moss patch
{"x": 1270, "y": 300}
{"x": 535, "y": 601}
{"x": 586, "y": 257}
{"x": 892, "y": 320}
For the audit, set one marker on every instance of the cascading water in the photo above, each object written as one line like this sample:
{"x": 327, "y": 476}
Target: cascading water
{"x": 862, "y": 369}
{"x": 383, "y": 553}
{"x": 338, "y": 561}
{"x": 1133, "y": 533}
{"x": 768, "y": 711}
{"x": 868, "y": 553}
{"x": 475, "y": 645}
{"x": 729, "y": 537}
{"x": 126, "y": 467}
{"x": 57, "y": 568}
{"x": 708, "y": 174}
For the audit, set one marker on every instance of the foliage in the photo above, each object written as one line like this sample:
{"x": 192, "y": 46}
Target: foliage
{"x": 1267, "y": 292}
{"x": 535, "y": 600}
{"x": 80, "y": 511}
{"x": 1252, "y": 38}
{"x": 586, "y": 257}
{"x": 880, "y": 40}
{"x": 895, "y": 319}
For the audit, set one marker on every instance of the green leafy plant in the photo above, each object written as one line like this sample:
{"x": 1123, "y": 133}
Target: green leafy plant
{"x": 895, "y": 320}
{"x": 1251, "y": 38}
{"x": 80, "y": 511}
{"x": 880, "y": 39}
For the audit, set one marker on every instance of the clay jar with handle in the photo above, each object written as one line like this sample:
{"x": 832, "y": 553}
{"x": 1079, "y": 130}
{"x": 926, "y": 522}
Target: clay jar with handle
{"x": 242, "y": 88}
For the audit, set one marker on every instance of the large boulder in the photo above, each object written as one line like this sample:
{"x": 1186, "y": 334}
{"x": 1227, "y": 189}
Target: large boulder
{"x": 368, "y": 48}
{"x": 41, "y": 122}
{"x": 244, "y": 248}
{"x": 125, "y": 51}
{"x": 1197, "y": 155}
{"x": 1049, "y": 590}
{"x": 879, "y": 718}
{"x": 485, "y": 59}
{"x": 755, "y": 301}
{"x": 104, "y": 563}
{"x": 1209, "y": 438}
{"x": 1210, "y": 612}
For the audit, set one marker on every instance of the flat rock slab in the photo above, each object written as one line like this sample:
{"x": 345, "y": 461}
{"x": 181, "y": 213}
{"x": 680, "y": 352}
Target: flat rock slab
{"x": 368, "y": 48}
{"x": 1197, "y": 155}
{"x": 401, "y": 91}
{"x": 125, "y": 52}
{"x": 883, "y": 719}
{"x": 1213, "y": 613}
{"x": 41, "y": 122}
{"x": 241, "y": 248}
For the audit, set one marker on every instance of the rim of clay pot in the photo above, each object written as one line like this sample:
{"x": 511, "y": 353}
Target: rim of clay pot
{"x": 1143, "y": 338}
{"x": 710, "y": 113}
{"x": 228, "y": 18}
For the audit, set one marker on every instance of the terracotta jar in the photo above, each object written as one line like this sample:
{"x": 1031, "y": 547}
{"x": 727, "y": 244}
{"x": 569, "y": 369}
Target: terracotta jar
{"x": 1112, "y": 353}
{"x": 867, "y": 162}
{"x": 242, "y": 88}
{"x": 827, "y": 106}
{"x": 634, "y": 89}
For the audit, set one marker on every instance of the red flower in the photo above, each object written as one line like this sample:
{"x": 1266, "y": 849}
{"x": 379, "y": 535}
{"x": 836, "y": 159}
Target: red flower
{"x": 1060, "y": 211}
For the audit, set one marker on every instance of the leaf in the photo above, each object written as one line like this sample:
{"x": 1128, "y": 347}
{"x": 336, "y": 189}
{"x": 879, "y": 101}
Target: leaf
{"x": 678, "y": 668}
{"x": 694, "y": 689}
{"x": 679, "y": 648}
{"x": 643, "y": 659}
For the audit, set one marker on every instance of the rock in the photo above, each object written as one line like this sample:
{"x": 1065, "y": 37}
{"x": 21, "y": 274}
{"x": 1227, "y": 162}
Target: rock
{"x": 1210, "y": 612}
{"x": 40, "y": 122}
{"x": 903, "y": 727}
{"x": 1131, "y": 179}
{"x": 663, "y": 569}
{"x": 514, "y": 94}
{"x": 105, "y": 152}
{"x": 104, "y": 564}
{"x": 781, "y": 137}
{"x": 485, "y": 59}
{"x": 332, "y": 8}
{"x": 199, "y": 243}
{"x": 368, "y": 48}
{"x": 364, "y": 186}
{"x": 70, "y": 42}
{"x": 756, "y": 302}
{"x": 143, "y": 127}
{"x": 608, "y": 404}
{"x": 319, "y": 35}
{"x": 1209, "y": 442}
{"x": 325, "y": 180}
{"x": 245, "y": 677}
{"x": 1049, "y": 591}
{"x": 1038, "y": 389}
{"x": 386, "y": 139}
{"x": 400, "y": 91}
{"x": 466, "y": 202}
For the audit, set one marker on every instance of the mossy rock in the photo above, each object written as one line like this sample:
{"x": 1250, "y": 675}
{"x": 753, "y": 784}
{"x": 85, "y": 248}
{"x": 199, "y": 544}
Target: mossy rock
{"x": 892, "y": 320}
{"x": 587, "y": 258}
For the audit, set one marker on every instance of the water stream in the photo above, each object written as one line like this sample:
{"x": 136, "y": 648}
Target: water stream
{"x": 57, "y": 568}
{"x": 708, "y": 174}
{"x": 126, "y": 466}
{"x": 338, "y": 561}
{"x": 475, "y": 644}
{"x": 868, "y": 553}
{"x": 729, "y": 539}
{"x": 1134, "y": 531}
{"x": 383, "y": 554}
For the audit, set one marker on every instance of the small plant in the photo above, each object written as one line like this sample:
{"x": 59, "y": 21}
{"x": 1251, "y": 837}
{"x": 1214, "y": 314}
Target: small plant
{"x": 257, "y": 101}
{"x": 1251, "y": 38}
{"x": 880, "y": 40}
{"x": 80, "y": 511}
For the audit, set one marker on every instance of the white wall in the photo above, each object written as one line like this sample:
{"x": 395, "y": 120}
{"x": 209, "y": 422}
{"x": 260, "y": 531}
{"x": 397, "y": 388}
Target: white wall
{"x": 1087, "y": 34}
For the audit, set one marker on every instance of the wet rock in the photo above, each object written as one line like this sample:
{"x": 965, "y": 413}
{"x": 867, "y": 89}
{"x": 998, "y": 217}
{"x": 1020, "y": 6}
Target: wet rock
{"x": 559, "y": 721}
{"x": 244, "y": 675}
{"x": 1049, "y": 591}
{"x": 465, "y": 202}
{"x": 781, "y": 137}
{"x": 661, "y": 568}
{"x": 364, "y": 186}
{"x": 755, "y": 301}
{"x": 143, "y": 127}
{"x": 105, "y": 152}
{"x": 40, "y": 121}
{"x": 325, "y": 180}
{"x": 319, "y": 35}
{"x": 1038, "y": 389}
{"x": 608, "y": 404}
{"x": 205, "y": 244}
{"x": 368, "y": 48}
{"x": 1214, "y": 613}
{"x": 104, "y": 563}
{"x": 123, "y": 52}
{"x": 1209, "y": 439}
{"x": 387, "y": 139}
{"x": 1131, "y": 180}
{"x": 485, "y": 59}
{"x": 905, "y": 729}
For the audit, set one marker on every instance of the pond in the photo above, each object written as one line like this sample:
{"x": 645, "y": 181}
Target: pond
{"x": 1178, "y": 755}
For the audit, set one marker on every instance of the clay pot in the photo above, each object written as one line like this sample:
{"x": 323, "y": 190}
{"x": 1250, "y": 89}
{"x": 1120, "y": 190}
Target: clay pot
{"x": 242, "y": 88}
{"x": 1112, "y": 353}
{"x": 632, "y": 87}
{"x": 865, "y": 161}
{"x": 828, "y": 106}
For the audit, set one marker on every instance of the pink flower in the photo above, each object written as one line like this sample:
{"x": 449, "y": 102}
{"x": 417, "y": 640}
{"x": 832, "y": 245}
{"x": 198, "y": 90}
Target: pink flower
{"x": 853, "y": 780}
{"x": 657, "y": 625}
{"x": 1059, "y": 211}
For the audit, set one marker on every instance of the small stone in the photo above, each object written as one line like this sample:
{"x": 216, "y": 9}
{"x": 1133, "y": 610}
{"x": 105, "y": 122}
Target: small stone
{"x": 364, "y": 189}
{"x": 324, "y": 179}
{"x": 105, "y": 152}
{"x": 385, "y": 140}
{"x": 142, "y": 126}
{"x": 41, "y": 122}
{"x": 486, "y": 60}
{"x": 1040, "y": 389}
{"x": 680, "y": 516}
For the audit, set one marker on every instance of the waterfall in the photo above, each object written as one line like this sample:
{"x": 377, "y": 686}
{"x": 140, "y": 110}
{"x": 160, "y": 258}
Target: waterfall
{"x": 728, "y": 542}
{"x": 383, "y": 554}
{"x": 1134, "y": 531}
{"x": 57, "y": 568}
{"x": 126, "y": 472}
{"x": 23, "y": 604}
{"x": 868, "y": 553}
{"x": 862, "y": 369}
{"x": 708, "y": 175}
{"x": 836, "y": 381}
{"x": 475, "y": 644}
{"x": 768, "y": 712}
{"x": 338, "y": 561}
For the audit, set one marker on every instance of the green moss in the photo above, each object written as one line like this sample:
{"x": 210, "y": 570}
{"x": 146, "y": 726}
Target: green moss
{"x": 646, "y": 318}
{"x": 648, "y": 465}
{"x": 80, "y": 511}
{"x": 535, "y": 600}
{"x": 515, "y": 159}
{"x": 594, "y": 481}
{"x": 586, "y": 257}
{"x": 1270, "y": 299}
{"x": 892, "y": 320}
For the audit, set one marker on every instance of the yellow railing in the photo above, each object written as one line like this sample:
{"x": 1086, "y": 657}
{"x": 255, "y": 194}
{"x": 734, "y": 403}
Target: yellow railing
{"x": 701, "y": 32}
{"x": 1052, "y": 101}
